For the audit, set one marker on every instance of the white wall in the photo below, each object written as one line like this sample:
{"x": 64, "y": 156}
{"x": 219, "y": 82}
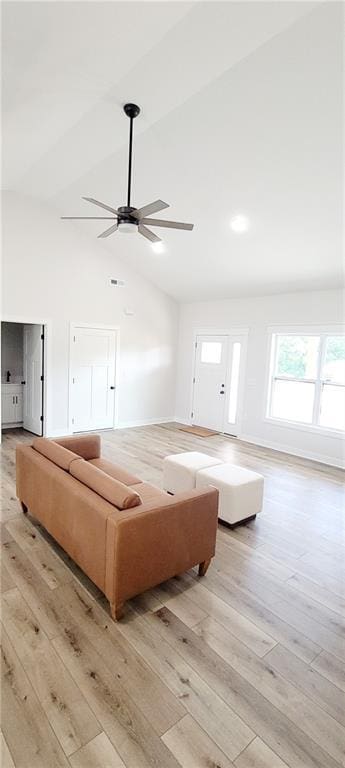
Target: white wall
{"x": 12, "y": 351}
{"x": 51, "y": 271}
{"x": 319, "y": 307}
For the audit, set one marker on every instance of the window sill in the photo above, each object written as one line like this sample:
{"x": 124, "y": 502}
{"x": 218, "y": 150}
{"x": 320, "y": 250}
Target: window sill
{"x": 299, "y": 426}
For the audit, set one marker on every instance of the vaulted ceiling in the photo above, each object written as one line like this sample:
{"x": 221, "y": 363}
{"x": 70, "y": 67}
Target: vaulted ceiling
{"x": 241, "y": 113}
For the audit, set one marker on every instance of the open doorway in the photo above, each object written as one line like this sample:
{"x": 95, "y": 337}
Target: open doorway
{"x": 22, "y": 376}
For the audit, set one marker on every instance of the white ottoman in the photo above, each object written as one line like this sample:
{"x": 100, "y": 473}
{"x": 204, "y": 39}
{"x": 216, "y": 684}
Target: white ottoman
{"x": 179, "y": 471}
{"x": 240, "y": 491}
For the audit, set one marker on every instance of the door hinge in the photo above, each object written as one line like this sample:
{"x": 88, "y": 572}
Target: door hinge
{"x": 73, "y": 380}
{"x": 196, "y": 345}
{"x": 41, "y": 418}
{"x": 73, "y": 338}
{"x": 42, "y": 336}
{"x": 42, "y": 378}
{"x": 72, "y": 421}
{"x": 192, "y": 414}
{"x": 193, "y": 379}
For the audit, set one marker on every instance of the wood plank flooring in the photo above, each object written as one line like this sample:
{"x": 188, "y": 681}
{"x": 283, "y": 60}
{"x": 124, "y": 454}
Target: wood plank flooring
{"x": 244, "y": 667}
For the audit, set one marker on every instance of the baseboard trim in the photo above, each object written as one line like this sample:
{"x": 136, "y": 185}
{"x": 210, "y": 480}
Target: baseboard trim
{"x": 144, "y": 422}
{"x": 310, "y": 455}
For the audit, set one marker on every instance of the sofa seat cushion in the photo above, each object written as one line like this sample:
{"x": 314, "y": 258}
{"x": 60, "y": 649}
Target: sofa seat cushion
{"x": 118, "y": 473}
{"x": 118, "y": 494}
{"x": 60, "y": 456}
{"x": 148, "y": 492}
{"x": 86, "y": 446}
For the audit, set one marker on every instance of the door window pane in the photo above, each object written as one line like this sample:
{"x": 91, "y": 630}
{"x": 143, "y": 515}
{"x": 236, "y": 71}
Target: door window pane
{"x": 293, "y": 400}
{"x": 334, "y": 362}
{"x": 297, "y": 356}
{"x": 211, "y": 352}
{"x": 234, "y": 381}
{"x": 332, "y": 411}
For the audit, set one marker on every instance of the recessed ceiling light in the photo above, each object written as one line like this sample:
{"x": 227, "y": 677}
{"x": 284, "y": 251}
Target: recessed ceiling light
{"x": 158, "y": 247}
{"x": 240, "y": 223}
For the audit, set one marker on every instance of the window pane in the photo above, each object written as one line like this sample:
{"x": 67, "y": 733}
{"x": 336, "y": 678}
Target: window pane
{"x": 211, "y": 352}
{"x": 334, "y": 365}
{"x": 332, "y": 413}
{"x": 293, "y": 400}
{"x": 297, "y": 356}
{"x": 234, "y": 381}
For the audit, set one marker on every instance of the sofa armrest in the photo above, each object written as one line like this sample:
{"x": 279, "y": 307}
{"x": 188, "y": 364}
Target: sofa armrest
{"x": 86, "y": 446}
{"x": 158, "y": 540}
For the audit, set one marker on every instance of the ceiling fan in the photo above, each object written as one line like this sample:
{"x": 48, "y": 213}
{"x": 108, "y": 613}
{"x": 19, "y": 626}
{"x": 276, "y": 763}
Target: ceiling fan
{"x": 129, "y": 219}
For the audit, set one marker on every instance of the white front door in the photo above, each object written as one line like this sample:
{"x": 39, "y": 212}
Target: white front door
{"x": 92, "y": 378}
{"x": 33, "y": 373}
{"x": 211, "y": 356}
{"x": 218, "y": 382}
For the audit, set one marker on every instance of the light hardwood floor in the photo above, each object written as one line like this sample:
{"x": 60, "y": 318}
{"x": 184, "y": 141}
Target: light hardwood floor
{"x": 244, "y": 667}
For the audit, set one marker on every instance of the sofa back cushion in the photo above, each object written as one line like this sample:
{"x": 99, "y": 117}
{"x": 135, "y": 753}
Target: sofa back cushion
{"x": 86, "y": 446}
{"x": 112, "y": 490}
{"x": 55, "y": 453}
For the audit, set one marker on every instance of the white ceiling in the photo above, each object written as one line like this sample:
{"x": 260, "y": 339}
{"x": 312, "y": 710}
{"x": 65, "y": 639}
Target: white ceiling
{"x": 241, "y": 113}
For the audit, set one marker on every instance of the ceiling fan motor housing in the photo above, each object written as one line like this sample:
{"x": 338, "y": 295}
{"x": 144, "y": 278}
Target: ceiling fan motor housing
{"x": 125, "y": 214}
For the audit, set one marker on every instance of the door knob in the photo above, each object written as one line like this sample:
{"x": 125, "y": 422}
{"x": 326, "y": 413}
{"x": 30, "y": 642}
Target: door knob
{"x": 112, "y": 387}
{"x": 222, "y": 392}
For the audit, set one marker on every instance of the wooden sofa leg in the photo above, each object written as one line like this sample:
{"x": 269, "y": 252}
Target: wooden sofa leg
{"x": 204, "y": 566}
{"x": 24, "y": 508}
{"x": 117, "y": 611}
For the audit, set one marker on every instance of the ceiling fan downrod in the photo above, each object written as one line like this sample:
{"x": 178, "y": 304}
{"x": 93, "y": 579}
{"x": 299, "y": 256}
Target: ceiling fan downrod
{"x": 132, "y": 111}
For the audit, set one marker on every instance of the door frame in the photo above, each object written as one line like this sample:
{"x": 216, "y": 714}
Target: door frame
{"x": 47, "y": 361}
{"x": 102, "y": 327}
{"x": 233, "y": 331}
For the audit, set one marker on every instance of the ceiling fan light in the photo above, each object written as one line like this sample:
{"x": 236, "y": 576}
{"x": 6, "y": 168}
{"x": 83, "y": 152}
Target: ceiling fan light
{"x": 158, "y": 247}
{"x": 127, "y": 226}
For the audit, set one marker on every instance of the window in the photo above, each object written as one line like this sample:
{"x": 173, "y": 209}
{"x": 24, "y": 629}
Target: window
{"x": 211, "y": 352}
{"x": 308, "y": 380}
{"x": 234, "y": 382}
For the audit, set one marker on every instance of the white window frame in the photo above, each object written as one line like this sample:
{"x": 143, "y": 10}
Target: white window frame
{"x": 323, "y": 333}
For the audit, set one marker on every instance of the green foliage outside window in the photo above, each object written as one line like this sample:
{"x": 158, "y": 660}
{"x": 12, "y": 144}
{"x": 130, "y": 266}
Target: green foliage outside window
{"x": 297, "y": 356}
{"x": 335, "y": 348}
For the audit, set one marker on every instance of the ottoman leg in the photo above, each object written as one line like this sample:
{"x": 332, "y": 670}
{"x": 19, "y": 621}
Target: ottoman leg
{"x": 24, "y": 507}
{"x": 204, "y": 566}
{"x": 239, "y": 522}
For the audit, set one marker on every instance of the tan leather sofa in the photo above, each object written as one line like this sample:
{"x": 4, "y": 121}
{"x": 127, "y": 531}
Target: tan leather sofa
{"x": 126, "y": 535}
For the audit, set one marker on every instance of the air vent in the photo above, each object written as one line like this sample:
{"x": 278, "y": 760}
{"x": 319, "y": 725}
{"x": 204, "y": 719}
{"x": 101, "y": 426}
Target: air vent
{"x": 118, "y": 283}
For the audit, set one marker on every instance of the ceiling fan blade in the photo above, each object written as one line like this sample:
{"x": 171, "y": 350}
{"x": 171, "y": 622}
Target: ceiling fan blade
{"x": 109, "y": 231}
{"x": 158, "y": 205}
{"x": 101, "y": 205}
{"x": 148, "y": 234}
{"x": 163, "y": 223}
{"x": 92, "y": 218}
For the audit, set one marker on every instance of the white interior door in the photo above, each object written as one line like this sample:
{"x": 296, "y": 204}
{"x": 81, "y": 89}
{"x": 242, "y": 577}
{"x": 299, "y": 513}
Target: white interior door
{"x": 218, "y": 382}
{"x": 211, "y": 355}
{"x": 93, "y": 359}
{"x": 33, "y": 371}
